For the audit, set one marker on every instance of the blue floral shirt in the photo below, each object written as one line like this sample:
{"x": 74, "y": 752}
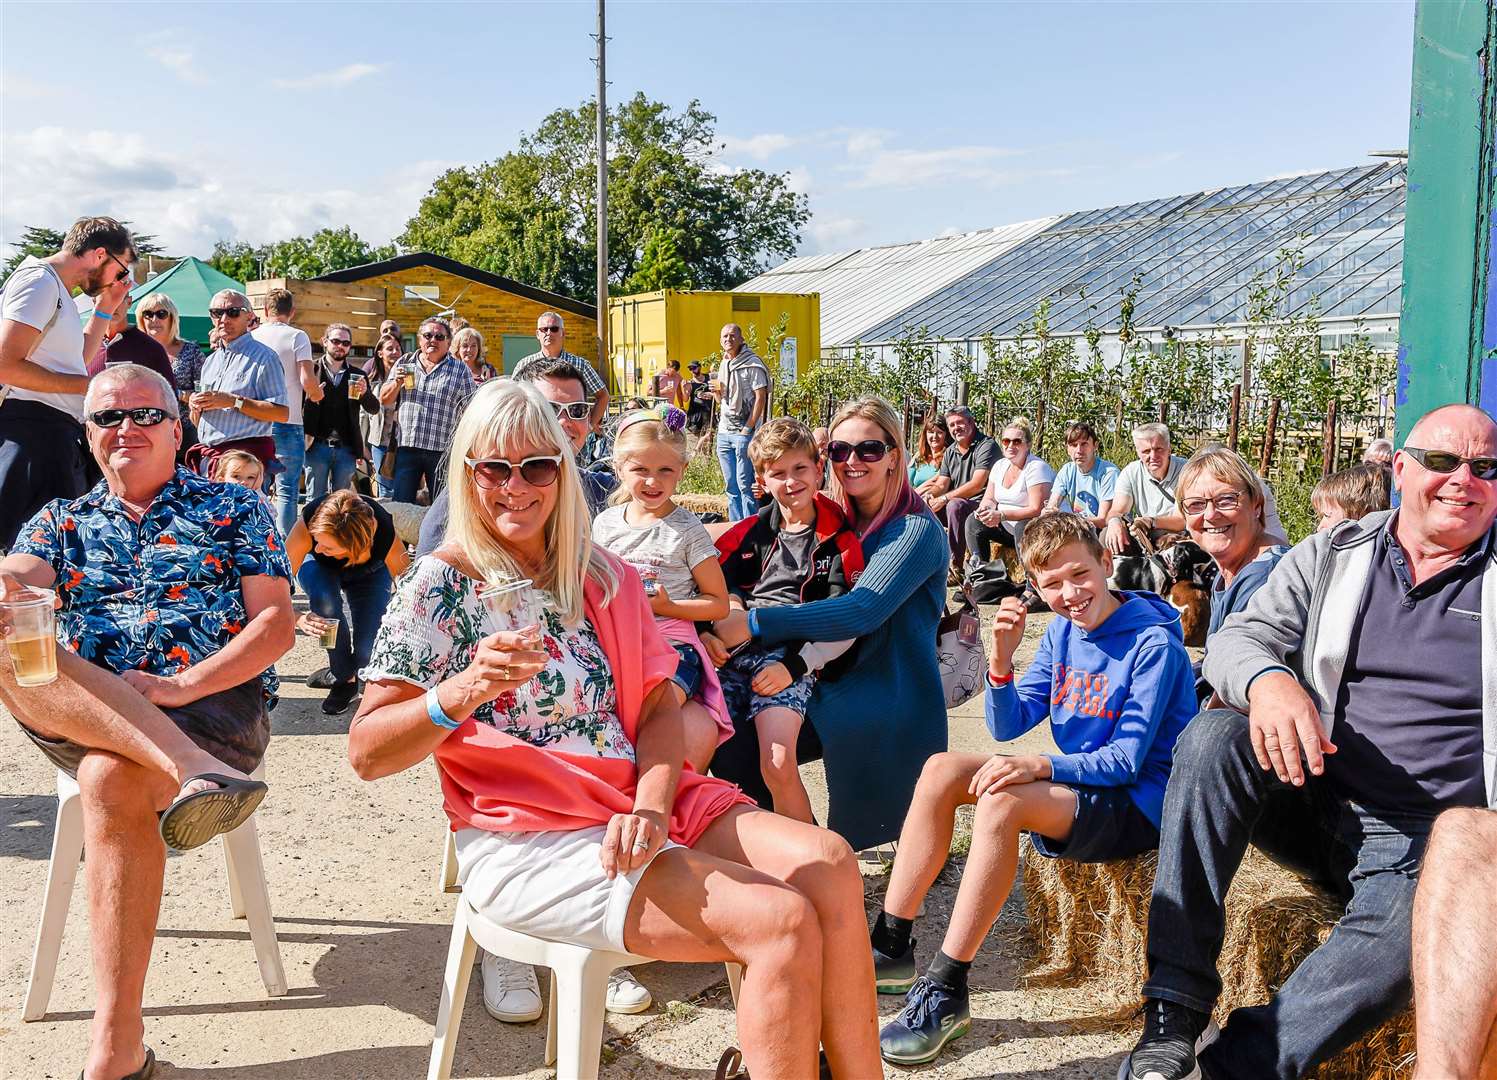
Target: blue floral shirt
{"x": 161, "y": 594}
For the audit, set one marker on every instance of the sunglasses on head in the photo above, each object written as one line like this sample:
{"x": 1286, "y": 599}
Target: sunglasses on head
{"x": 539, "y": 471}
{"x": 572, "y": 410}
{"x": 154, "y": 314}
{"x": 226, "y": 312}
{"x": 867, "y": 450}
{"x": 1443, "y": 461}
{"x": 433, "y": 337}
{"x": 113, "y": 418}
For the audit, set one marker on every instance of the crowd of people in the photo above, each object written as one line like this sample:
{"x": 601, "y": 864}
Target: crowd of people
{"x": 618, "y": 695}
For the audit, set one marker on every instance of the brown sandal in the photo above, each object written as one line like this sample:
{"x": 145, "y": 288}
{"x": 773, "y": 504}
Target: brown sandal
{"x": 145, "y": 1072}
{"x": 730, "y": 1066}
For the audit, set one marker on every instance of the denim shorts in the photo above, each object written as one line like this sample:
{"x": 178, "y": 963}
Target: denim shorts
{"x": 1108, "y": 826}
{"x": 688, "y": 674}
{"x": 737, "y": 675}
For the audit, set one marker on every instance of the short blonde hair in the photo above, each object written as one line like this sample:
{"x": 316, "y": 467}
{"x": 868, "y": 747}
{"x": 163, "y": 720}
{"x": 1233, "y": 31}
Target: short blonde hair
{"x": 463, "y": 335}
{"x": 780, "y": 436}
{"x": 1046, "y": 535}
{"x": 1022, "y": 423}
{"x": 504, "y": 413}
{"x": 160, "y": 300}
{"x": 1226, "y": 465}
{"x": 1360, "y": 490}
{"x": 346, "y": 517}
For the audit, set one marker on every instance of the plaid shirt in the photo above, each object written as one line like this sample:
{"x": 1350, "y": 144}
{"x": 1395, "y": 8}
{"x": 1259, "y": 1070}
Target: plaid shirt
{"x": 592, "y": 382}
{"x": 427, "y": 416}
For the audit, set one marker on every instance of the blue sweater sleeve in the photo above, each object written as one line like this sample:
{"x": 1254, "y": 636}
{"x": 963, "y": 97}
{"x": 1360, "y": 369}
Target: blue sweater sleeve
{"x": 1117, "y": 763}
{"x": 1014, "y": 708}
{"x": 914, "y": 552}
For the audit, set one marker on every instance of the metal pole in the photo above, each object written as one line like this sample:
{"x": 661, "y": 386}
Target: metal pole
{"x": 602, "y": 302}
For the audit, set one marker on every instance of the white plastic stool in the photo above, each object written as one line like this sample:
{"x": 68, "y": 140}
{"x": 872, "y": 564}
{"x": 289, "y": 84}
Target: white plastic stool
{"x": 248, "y": 898}
{"x": 579, "y": 985}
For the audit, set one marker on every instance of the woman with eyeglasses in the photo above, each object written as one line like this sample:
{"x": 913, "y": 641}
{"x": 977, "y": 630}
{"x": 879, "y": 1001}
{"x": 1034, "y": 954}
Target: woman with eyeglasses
{"x": 1016, "y": 493}
{"x": 526, "y": 660}
{"x": 879, "y": 719}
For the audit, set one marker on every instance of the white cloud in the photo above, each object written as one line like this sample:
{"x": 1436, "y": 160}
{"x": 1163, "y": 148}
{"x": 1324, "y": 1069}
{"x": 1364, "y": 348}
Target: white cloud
{"x": 177, "y": 60}
{"x": 758, "y": 147}
{"x": 342, "y": 76}
{"x": 894, "y": 168}
{"x": 864, "y": 142}
{"x": 834, "y": 234}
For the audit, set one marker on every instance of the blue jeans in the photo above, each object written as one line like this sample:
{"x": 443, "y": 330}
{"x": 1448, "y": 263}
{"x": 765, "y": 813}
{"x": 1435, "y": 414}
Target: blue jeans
{"x": 291, "y": 452}
{"x": 368, "y": 594}
{"x": 738, "y": 475}
{"x": 411, "y": 466}
{"x": 1218, "y": 802}
{"x": 329, "y": 468}
{"x": 384, "y": 488}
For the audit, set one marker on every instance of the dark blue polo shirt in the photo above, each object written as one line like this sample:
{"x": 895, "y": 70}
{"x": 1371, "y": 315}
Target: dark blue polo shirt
{"x": 1408, "y": 715}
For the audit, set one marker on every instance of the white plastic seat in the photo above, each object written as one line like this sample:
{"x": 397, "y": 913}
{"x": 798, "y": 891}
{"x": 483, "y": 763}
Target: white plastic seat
{"x": 248, "y": 898}
{"x": 579, "y": 985}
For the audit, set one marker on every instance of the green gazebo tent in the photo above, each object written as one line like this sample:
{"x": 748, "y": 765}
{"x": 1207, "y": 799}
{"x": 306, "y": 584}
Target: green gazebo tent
{"x": 190, "y": 284}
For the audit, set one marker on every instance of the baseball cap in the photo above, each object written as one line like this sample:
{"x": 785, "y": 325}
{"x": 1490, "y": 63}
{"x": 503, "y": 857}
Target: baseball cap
{"x": 695, "y": 365}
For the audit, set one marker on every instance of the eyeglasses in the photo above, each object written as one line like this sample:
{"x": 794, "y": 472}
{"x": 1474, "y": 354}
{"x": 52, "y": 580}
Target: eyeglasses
{"x": 113, "y": 418}
{"x": 345, "y": 342}
{"x": 1011, "y": 442}
{"x": 572, "y": 410}
{"x": 548, "y": 329}
{"x": 226, "y": 312}
{"x": 154, "y": 314}
{"x": 1226, "y": 501}
{"x": 433, "y": 337}
{"x": 867, "y": 450}
{"x": 1443, "y": 461}
{"x": 539, "y": 471}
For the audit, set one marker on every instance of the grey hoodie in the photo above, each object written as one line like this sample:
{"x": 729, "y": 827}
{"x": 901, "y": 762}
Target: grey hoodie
{"x": 1302, "y": 619}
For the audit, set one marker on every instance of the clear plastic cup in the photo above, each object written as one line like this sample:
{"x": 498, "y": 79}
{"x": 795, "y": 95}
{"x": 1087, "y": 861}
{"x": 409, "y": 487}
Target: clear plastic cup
{"x": 409, "y": 377}
{"x": 329, "y": 637}
{"x": 32, "y": 641}
{"x": 512, "y": 605}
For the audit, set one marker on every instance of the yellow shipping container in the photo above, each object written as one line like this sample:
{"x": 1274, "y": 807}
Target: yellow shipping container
{"x": 648, "y": 329}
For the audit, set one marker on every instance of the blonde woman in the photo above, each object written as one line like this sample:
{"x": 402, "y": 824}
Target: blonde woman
{"x": 156, "y": 314}
{"x": 467, "y": 346}
{"x": 559, "y": 747}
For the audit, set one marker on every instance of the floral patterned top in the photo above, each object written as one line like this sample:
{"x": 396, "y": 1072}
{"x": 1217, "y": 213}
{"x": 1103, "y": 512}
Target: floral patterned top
{"x": 432, "y": 628}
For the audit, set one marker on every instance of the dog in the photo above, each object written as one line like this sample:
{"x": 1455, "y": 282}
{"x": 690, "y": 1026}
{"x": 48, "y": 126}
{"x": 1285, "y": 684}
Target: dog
{"x": 1179, "y": 571}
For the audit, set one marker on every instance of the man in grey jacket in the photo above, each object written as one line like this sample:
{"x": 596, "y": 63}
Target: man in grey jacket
{"x": 1361, "y": 709}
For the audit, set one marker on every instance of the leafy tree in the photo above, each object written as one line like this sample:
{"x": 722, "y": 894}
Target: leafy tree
{"x": 325, "y": 251}
{"x": 530, "y": 214}
{"x": 237, "y": 259}
{"x": 661, "y": 265}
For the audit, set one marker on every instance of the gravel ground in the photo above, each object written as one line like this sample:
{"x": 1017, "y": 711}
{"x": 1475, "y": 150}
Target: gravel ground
{"x": 352, "y": 870}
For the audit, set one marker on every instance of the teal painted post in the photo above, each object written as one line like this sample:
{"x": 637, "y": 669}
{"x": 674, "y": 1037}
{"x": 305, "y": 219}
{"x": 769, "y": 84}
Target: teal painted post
{"x": 1448, "y": 326}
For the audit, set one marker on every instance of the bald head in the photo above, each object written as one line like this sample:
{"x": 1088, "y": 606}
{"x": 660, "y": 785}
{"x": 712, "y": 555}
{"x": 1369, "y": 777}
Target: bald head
{"x": 1446, "y": 506}
{"x": 1465, "y": 422}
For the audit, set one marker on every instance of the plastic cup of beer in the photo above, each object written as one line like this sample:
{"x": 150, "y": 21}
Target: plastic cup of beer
{"x": 511, "y": 604}
{"x": 409, "y": 376}
{"x": 32, "y": 640}
{"x": 328, "y": 638}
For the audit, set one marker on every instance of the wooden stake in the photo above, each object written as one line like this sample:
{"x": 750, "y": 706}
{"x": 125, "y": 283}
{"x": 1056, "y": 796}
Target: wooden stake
{"x": 1234, "y": 416}
{"x": 1269, "y": 432}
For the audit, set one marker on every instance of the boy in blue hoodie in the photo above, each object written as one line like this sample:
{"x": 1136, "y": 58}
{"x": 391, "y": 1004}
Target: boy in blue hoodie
{"x": 1114, "y": 679}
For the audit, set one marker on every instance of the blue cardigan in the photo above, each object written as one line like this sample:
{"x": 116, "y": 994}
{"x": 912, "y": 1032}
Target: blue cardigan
{"x": 884, "y": 717}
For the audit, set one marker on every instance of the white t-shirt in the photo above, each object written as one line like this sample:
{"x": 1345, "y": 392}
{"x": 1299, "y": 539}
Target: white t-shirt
{"x": 664, "y": 552}
{"x": 293, "y": 347}
{"x": 32, "y": 293}
{"x": 1036, "y": 471}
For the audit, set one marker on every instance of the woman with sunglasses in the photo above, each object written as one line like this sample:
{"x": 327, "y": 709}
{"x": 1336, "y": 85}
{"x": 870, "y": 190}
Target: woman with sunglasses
{"x": 429, "y": 390}
{"x": 380, "y": 426}
{"x": 559, "y": 747}
{"x": 157, "y": 316}
{"x": 1016, "y": 493}
{"x": 879, "y": 720}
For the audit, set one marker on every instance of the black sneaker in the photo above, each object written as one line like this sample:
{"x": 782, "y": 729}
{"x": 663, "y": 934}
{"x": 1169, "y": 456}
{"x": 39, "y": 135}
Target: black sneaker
{"x": 931, "y": 1018}
{"x": 321, "y": 679}
{"x": 340, "y": 697}
{"x": 1173, "y": 1036}
{"x": 895, "y": 974}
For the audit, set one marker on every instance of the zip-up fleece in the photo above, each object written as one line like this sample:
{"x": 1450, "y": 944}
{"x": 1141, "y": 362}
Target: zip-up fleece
{"x": 1301, "y": 621}
{"x": 837, "y": 561}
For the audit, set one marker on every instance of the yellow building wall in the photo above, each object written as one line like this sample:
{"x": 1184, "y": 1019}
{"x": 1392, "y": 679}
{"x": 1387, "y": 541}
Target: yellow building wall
{"x": 648, "y": 329}
{"x": 492, "y": 312}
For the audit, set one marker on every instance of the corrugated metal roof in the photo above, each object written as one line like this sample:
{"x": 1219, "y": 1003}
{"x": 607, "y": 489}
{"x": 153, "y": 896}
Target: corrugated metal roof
{"x": 1193, "y": 256}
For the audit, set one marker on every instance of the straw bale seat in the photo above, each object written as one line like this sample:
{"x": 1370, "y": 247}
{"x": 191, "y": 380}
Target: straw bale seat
{"x": 704, "y": 504}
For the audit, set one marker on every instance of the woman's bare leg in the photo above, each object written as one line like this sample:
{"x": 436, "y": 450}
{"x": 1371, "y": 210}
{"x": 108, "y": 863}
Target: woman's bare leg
{"x": 700, "y": 731}
{"x": 925, "y": 839}
{"x": 821, "y": 867}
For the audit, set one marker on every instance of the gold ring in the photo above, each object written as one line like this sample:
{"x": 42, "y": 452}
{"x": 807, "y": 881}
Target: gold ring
{"x": 504, "y": 673}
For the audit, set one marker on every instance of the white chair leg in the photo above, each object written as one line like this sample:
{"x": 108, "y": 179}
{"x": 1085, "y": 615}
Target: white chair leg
{"x": 242, "y": 854}
{"x": 460, "y": 953}
{"x": 735, "y": 980}
{"x": 236, "y": 892}
{"x": 447, "y": 880}
{"x": 551, "y": 1017}
{"x": 67, "y": 846}
{"x": 582, "y": 987}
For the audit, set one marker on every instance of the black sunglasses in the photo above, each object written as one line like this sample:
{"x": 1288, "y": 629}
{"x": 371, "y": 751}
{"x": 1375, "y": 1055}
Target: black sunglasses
{"x": 226, "y": 312}
{"x": 573, "y": 410}
{"x": 113, "y": 418}
{"x": 1443, "y": 461}
{"x": 548, "y": 329}
{"x": 539, "y": 471}
{"x": 433, "y": 337}
{"x": 867, "y": 450}
{"x": 345, "y": 342}
{"x": 154, "y": 314}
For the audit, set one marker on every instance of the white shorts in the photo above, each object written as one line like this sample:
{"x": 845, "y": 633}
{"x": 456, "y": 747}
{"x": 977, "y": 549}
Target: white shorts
{"x": 549, "y": 885}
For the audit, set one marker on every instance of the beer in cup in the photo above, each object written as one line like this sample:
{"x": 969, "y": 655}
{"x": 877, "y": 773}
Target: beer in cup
{"x": 32, "y": 641}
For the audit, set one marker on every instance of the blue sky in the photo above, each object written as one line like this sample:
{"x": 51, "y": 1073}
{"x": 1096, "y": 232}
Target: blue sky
{"x": 900, "y": 121}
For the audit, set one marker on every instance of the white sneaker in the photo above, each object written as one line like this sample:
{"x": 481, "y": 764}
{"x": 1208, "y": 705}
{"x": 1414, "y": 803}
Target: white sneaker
{"x": 625, "y": 994}
{"x": 510, "y": 990}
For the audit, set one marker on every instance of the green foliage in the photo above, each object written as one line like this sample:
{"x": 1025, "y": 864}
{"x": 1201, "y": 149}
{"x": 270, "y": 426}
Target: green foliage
{"x": 661, "y": 265}
{"x": 703, "y": 474}
{"x": 325, "y": 251}
{"x": 530, "y": 214}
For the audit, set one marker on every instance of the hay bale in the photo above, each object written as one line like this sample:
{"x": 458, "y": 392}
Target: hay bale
{"x": 1090, "y": 923}
{"x": 704, "y": 504}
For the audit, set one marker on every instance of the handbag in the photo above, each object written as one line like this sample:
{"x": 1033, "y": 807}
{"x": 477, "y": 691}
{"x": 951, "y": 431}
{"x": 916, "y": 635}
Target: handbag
{"x": 989, "y": 583}
{"x": 959, "y": 652}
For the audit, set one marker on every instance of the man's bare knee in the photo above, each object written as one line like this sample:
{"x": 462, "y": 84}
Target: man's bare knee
{"x": 112, "y": 784}
{"x": 1463, "y": 837}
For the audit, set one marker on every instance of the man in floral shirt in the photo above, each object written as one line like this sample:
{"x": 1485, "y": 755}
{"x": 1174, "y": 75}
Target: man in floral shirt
{"x": 174, "y": 603}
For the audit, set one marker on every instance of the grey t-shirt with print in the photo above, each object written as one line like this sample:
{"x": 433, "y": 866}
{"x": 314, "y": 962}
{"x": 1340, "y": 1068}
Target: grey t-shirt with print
{"x": 741, "y": 377}
{"x": 664, "y": 552}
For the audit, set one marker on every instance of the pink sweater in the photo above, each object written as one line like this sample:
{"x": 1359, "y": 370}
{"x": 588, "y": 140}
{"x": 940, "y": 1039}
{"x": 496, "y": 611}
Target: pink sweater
{"x": 500, "y": 783}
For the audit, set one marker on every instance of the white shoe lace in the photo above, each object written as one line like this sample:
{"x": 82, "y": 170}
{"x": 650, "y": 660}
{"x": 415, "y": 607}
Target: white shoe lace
{"x": 509, "y": 977}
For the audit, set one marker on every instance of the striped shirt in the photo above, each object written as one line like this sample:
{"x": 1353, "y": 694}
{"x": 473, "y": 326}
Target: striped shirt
{"x": 427, "y": 416}
{"x": 592, "y": 382}
{"x": 245, "y": 368}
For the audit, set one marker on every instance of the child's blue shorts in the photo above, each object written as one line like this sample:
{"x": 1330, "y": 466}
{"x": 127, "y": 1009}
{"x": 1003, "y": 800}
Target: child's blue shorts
{"x": 737, "y": 677}
{"x": 688, "y": 674}
{"x": 1108, "y": 826}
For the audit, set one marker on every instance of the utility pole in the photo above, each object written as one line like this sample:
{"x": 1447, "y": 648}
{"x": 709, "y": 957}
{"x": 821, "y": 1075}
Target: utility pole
{"x": 603, "y": 327}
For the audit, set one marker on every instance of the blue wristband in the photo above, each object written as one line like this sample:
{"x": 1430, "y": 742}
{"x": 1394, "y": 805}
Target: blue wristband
{"x": 436, "y": 715}
{"x": 105, "y": 315}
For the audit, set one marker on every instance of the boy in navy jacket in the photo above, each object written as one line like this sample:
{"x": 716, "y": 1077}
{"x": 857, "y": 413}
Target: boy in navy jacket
{"x": 1113, "y": 678}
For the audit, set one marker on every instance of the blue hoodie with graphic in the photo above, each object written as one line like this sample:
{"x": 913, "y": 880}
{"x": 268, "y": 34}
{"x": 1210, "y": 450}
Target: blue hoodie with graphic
{"x": 1117, "y": 698}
